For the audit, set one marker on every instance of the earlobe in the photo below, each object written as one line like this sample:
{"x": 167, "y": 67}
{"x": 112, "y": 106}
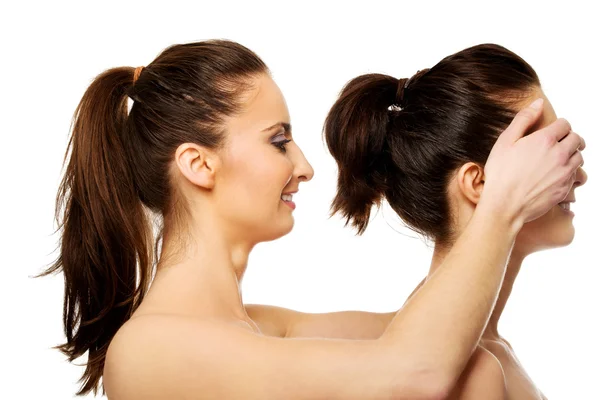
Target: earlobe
{"x": 471, "y": 179}
{"x": 197, "y": 164}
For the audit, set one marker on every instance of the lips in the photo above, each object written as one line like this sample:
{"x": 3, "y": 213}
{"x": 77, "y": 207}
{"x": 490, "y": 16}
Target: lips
{"x": 565, "y": 206}
{"x": 287, "y": 199}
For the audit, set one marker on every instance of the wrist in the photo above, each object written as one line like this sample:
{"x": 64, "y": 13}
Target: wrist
{"x": 500, "y": 214}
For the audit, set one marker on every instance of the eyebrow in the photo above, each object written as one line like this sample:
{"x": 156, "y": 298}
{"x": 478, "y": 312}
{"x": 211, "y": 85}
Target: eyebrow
{"x": 287, "y": 127}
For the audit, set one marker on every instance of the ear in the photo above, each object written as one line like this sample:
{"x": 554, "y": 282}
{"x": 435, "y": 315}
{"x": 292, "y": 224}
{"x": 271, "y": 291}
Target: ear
{"x": 197, "y": 163}
{"x": 470, "y": 180}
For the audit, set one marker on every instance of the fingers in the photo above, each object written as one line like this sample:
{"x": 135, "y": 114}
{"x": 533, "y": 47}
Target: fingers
{"x": 558, "y": 130}
{"x": 567, "y": 181}
{"x": 575, "y": 162}
{"x": 571, "y": 143}
{"x": 582, "y": 146}
{"x": 524, "y": 120}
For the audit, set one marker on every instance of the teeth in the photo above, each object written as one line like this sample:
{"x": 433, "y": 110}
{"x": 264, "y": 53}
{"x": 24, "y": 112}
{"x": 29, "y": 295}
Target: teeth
{"x": 286, "y": 197}
{"x": 565, "y": 206}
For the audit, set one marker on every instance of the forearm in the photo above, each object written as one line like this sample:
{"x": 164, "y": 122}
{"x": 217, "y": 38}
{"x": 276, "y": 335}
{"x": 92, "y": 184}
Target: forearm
{"x": 439, "y": 327}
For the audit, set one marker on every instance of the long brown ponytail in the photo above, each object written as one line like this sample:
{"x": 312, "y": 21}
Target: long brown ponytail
{"x": 118, "y": 174}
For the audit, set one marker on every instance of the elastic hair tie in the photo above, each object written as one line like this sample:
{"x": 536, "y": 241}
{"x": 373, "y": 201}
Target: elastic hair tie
{"x": 403, "y": 86}
{"x": 136, "y": 73}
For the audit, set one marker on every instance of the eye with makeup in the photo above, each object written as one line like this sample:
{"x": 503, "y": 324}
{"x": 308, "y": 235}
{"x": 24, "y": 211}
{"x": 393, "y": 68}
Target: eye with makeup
{"x": 280, "y": 141}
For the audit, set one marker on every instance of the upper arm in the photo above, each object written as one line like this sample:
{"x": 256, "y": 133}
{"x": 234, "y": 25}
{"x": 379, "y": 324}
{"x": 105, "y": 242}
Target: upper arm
{"x": 282, "y": 322}
{"x": 162, "y": 357}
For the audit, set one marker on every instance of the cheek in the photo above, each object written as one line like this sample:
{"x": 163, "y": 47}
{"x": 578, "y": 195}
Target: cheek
{"x": 256, "y": 177}
{"x": 267, "y": 175}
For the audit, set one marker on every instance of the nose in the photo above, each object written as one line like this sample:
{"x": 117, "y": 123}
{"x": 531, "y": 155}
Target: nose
{"x": 303, "y": 171}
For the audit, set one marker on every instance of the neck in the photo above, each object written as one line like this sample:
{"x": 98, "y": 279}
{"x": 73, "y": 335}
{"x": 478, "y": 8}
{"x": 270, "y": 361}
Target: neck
{"x": 512, "y": 270}
{"x": 201, "y": 276}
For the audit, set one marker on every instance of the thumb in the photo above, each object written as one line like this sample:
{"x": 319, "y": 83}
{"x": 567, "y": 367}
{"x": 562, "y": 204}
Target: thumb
{"x": 523, "y": 121}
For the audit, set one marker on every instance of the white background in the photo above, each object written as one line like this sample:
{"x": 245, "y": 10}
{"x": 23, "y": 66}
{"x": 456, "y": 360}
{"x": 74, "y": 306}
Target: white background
{"x": 51, "y": 51}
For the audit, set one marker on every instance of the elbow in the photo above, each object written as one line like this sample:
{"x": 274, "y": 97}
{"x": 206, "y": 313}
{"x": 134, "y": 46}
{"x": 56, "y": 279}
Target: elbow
{"x": 483, "y": 377}
{"x": 423, "y": 385}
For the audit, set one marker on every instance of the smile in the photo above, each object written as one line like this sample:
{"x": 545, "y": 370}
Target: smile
{"x": 566, "y": 207}
{"x": 287, "y": 199}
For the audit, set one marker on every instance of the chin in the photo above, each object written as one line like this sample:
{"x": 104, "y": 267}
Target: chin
{"x": 286, "y": 228}
{"x": 275, "y": 231}
{"x": 565, "y": 236}
{"x": 567, "y": 239}
{"x": 529, "y": 244}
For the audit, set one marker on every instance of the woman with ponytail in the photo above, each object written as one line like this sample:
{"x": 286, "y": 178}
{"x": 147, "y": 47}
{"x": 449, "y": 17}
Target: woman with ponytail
{"x": 425, "y": 146}
{"x": 205, "y": 157}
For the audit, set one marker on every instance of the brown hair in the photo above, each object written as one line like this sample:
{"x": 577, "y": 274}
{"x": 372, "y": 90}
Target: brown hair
{"x": 118, "y": 175}
{"x": 401, "y": 140}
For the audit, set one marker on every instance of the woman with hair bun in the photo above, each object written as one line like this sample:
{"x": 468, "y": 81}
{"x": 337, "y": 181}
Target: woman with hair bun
{"x": 425, "y": 146}
{"x": 206, "y": 152}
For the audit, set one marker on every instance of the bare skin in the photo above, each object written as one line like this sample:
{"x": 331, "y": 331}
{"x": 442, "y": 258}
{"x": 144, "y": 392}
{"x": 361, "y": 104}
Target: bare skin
{"x": 193, "y": 337}
{"x": 553, "y": 229}
{"x": 519, "y": 384}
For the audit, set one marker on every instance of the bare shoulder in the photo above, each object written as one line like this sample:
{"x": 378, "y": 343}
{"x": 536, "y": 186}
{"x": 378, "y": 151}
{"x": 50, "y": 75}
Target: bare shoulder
{"x": 153, "y": 356}
{"x": 483, "y": 378}
{"x": 500, "y": 348}
{"x": 520, "y": 384}
{"x": 491, "y": 371}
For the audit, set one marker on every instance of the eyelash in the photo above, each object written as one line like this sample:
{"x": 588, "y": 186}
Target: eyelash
{"x": 281, "y": 144}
